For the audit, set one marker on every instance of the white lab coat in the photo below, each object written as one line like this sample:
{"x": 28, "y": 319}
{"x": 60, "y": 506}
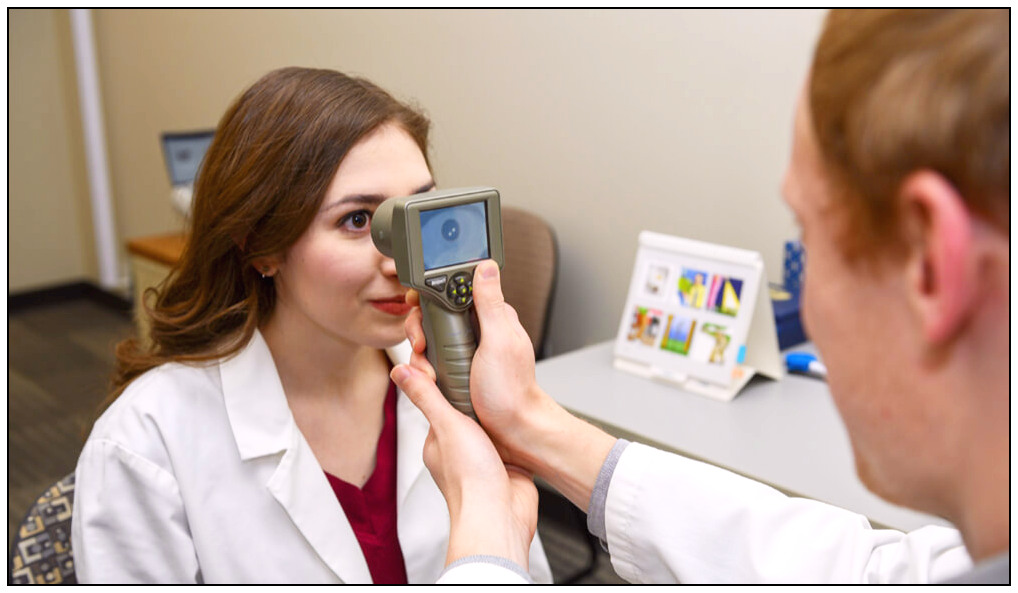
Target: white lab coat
{"x": 200, "y": 474}
{"x": 671, "y": 519}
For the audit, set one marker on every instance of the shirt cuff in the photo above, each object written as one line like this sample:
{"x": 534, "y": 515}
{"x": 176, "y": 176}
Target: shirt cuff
{"x": 599, "y": 497}
{"x": 503, "y": 563}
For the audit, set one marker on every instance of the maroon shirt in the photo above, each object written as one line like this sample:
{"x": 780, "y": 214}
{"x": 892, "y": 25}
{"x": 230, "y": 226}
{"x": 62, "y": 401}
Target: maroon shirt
{"x": 371, "y": 510}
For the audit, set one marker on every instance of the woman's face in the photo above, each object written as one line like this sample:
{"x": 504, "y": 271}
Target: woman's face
{"x": 333, "y": 282}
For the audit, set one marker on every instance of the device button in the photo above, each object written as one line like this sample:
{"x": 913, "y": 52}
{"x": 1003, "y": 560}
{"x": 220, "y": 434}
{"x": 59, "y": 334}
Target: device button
{"x": 461, "y": 288}
{"x": 436, "y": 282}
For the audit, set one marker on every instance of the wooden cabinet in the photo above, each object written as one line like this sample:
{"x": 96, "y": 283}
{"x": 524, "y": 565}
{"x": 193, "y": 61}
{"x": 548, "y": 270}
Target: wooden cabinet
{"x": 151, "y": 260}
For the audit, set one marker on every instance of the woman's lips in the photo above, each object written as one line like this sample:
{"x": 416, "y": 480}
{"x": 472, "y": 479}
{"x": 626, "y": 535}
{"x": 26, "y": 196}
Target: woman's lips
{"x": 394, "y": 306}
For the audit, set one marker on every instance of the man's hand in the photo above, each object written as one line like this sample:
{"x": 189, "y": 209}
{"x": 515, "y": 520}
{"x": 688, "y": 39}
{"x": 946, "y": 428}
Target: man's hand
{"x": 528, "y": 428}
{"x": 503, "y": 387}
{"x": 492, "y": 506}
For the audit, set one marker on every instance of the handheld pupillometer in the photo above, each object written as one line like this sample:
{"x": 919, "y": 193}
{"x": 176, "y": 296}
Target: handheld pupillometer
{"x": 437, "y": 239}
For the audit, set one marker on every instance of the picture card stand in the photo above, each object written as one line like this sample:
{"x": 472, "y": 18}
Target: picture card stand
{"x": 698, "y": 316}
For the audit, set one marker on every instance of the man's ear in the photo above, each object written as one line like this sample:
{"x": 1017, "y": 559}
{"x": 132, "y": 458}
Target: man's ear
{"x": 941, "y": 264}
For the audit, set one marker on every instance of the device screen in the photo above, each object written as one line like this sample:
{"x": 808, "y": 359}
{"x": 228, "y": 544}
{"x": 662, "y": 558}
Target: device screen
{"x": 454, "y": 235}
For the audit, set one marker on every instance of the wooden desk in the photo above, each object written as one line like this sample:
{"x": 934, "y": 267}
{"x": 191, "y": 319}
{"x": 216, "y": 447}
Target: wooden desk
{"x": 151, "y": 260}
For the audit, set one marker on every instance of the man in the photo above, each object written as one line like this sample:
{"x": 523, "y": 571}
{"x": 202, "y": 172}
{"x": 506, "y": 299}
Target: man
{"x": 900, "y": 181}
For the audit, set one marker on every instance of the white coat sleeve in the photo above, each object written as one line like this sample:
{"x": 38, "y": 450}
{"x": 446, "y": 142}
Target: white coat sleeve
{"x": 128, "y": 523}
{"x": 489, "y": 570}
{"x": 671, "y": 519}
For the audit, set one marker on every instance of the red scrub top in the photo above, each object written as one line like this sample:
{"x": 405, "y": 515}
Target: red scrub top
{"x": 371, "y": 510}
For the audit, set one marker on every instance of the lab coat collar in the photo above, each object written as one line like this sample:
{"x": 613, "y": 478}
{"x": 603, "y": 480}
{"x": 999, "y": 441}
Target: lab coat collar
{"x": 263, "y": 425}
{"x": 255, "y": 403}
{"x": 413, "y": 429}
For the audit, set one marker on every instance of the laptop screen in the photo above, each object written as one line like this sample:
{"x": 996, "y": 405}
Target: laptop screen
{"x": 184, "y": 153}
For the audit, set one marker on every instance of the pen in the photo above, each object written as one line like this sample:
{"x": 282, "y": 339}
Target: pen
{"x": 805, "y": 363}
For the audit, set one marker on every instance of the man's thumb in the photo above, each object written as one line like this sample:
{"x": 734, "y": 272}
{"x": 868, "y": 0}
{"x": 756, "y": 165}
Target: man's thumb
{"x": 488, "y": 299}
{"x": 422, "y": 391}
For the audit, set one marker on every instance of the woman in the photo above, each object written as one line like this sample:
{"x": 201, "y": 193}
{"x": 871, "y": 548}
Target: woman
{"x": 259, "y": 437}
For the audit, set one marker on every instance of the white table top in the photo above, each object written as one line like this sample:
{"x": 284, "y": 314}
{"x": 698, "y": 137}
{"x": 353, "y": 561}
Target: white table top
{"x": 785, "y": 433}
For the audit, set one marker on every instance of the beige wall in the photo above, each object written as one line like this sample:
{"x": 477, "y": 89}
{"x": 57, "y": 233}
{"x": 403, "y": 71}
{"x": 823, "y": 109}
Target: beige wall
{"x": 603, "y": 122}
{"x": 49, "y": 222}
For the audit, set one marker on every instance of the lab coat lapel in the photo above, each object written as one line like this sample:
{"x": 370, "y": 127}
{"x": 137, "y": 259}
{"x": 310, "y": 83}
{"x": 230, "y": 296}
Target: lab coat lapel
{"x": 299, "y": 484}
{"x": 410, "y": 447}
{"x": 263, "y": 425}
{"x": 413, "y": 430}
{"x": 422, "y": 519}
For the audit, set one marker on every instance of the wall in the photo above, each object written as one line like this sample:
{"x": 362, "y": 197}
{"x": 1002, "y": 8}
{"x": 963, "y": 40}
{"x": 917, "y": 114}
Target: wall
{"x": 49, "y": 226}
{"x": 603, "y": 122}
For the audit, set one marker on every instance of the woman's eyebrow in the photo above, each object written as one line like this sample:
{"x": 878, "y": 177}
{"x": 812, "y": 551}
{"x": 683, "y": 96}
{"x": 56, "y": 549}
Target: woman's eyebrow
{"x": 363, "y": 199}
{"x": 425, "y": 188}
{"x": 372, "y": 199}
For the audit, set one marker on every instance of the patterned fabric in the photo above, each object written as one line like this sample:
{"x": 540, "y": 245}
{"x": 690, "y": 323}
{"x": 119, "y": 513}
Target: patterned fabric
{"x": 41, "y": 553}
{"x": 795, "y": 265}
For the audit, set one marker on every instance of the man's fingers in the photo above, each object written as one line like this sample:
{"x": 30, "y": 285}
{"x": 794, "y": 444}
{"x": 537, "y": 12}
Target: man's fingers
{"x": 414, "y": 328}
{"x": 419, "y": 361}
{"x": 515, "y": 470}
{"x": 488, "y": 299}
{"x": 423, "y": 392}
{"x": 492, "y": 310}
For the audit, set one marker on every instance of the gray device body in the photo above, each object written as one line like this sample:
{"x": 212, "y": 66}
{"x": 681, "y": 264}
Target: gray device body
{"x": 437, "y": 239}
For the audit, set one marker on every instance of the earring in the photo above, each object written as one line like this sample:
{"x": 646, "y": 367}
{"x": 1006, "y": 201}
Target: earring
{"x": 265, "y": 271}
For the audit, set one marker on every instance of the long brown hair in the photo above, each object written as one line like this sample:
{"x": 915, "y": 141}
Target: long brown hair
{"x": 897, "y": 91}
{"x": 261, "y": 184}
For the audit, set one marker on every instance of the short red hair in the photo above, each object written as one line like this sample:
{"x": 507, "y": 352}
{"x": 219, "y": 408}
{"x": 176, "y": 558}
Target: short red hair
{"x": 897, "y": 91}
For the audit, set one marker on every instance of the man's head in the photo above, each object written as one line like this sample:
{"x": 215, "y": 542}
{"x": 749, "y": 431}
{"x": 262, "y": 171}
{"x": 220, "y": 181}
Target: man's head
{"x": 896, "y": 91}
{"x": 900, "y": 180}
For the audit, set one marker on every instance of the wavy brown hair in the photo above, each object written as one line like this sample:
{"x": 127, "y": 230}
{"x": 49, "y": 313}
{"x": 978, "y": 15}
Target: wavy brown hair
{"x": 897, "y": 91}
{"x": 261, "y": 184}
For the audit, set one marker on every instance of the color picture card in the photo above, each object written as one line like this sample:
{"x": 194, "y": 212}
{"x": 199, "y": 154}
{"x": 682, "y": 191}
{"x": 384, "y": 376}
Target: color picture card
{"x": 699, "y": 332}
{"x": 724, "y": 295}
{"x": 646, "y": 326}
{"x": 692, "y": 288}
{"x": 678, "y": 335}
{"x": 713, "y": 345}
{"x": 656, "y": 280}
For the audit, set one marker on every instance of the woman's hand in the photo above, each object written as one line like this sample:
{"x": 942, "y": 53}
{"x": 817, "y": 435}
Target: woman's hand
{"x": 492, "y": 506}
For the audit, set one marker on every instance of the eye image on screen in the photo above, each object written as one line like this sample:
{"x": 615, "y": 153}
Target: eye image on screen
{"x": 454, "y": 235}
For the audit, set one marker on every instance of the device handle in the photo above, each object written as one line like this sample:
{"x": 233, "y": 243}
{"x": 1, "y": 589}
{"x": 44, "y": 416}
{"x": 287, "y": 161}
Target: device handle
{"x": 450, "y": 347}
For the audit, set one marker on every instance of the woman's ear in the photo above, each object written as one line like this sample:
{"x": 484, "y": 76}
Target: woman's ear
{"x": 267, "y": 265}
{"x": 941, "y": 257}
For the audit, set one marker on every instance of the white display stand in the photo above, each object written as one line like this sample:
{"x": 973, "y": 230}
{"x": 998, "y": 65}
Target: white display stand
{"x": 698, "y": 316}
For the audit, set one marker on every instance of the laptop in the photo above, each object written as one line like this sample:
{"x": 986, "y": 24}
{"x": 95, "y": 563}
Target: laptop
{"x": 184, "y": 152}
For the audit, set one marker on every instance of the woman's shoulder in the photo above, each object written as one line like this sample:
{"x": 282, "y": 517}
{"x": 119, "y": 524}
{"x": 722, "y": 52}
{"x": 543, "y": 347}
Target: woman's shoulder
{"x": 160, "y": 399}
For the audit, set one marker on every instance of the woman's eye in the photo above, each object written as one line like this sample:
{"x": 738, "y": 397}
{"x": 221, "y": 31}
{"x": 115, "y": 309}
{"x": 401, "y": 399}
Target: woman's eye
{"x": 356, "y": 221}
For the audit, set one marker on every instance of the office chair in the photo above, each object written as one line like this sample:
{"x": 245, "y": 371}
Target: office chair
{"x": 529, "y": 272}
{"x": 41, "y": 552}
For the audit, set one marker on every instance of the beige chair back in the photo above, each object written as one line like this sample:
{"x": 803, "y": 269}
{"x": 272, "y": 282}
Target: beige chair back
{"x": 529, "y": 271}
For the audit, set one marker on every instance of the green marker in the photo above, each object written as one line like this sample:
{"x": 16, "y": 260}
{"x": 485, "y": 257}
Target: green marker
{"x": 437, "y": 239}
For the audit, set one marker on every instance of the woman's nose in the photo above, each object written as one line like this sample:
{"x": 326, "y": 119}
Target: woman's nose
{"x": 389, "y": 266}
